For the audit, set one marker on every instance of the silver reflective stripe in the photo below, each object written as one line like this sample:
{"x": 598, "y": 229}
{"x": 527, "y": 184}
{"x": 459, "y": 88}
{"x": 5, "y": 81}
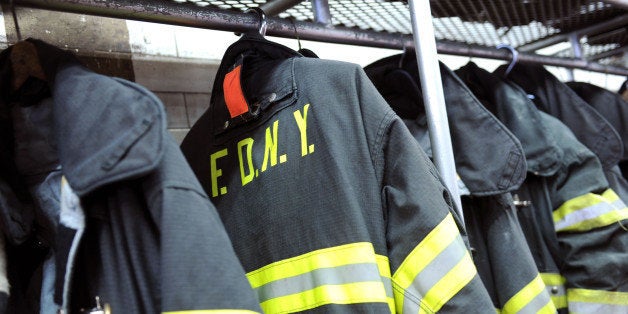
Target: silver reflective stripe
{"x": 388, "y": 286}
{"x": 584, "y": 214}
{"x": 618, "y": 204}
{"x": 597, "y": 308}
{"x": 410, "y": 303}
{"x": 319, "y": 277}
{"x": 536, "y": 304}
{"x": 442, "y": 264}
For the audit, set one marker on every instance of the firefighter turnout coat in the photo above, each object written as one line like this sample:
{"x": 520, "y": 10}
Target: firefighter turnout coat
{"x": 490, "y": 163}
{"x": 96, "y": 200}
{"x": 573, "y": 221}
{"x": 331, "y": 205}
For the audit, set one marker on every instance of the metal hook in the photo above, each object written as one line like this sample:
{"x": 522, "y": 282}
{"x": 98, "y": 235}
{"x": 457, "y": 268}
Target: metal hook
{"x": 514, "y": 53}
{"x": 403, "y": 53}
{"x": 296, "y": 32}
{"x": 15, "y": 22}
{"x": 262, "y": 19}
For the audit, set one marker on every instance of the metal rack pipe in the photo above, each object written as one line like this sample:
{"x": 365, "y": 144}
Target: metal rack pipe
{"x": 623, "y": 4}
{"x": 613, "y": 23}
{"x": 170, "y": 12}
{"x": 433, "y": 97}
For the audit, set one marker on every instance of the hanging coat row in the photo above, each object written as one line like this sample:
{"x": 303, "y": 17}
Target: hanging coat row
{"x": 314, "y": 196}
{"x": 583, "y": 264}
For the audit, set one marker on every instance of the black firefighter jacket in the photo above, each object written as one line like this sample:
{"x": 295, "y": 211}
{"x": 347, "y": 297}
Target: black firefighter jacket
{"x": 612, "y": 107}
{"x": 490, "y": 163}
{"x": 331, "y": 205}
{"x": 572, "y": 221}
{"x": 590, "y": 127}
{"x": 96, "y": 200}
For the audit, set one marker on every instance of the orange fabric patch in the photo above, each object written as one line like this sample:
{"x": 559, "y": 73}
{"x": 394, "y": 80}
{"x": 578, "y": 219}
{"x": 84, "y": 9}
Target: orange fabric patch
{"x": 234, "y": 97}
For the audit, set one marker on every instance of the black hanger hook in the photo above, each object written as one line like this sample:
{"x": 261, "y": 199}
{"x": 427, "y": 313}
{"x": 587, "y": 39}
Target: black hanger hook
{"x": 403, "y": 53}
{"x": 296, "y": 32}
{"x": 515, "y": 56}
{"x": 262, "y": 19}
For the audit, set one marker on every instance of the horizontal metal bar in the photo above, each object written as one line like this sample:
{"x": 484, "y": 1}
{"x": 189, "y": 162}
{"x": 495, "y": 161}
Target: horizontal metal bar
{"x": 169, "y": 12}
{"x": 274, "y": 7}
{"x": 623, "y": 4}
{"x": 608, "y": 53}
{"x": 613, "y": 23}
{"x": 525, "y": 57}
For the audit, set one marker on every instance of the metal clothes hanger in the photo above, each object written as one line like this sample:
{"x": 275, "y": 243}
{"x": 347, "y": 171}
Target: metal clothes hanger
{"x": 515, "y": 56}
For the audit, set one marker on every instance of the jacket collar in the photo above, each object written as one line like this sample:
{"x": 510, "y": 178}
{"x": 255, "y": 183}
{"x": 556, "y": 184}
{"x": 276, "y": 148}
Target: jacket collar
{"x": 105, "y": 129}
{"x": 260, "y": 81}
{"x": 558, "y": 100}
{"x": 472, "y": 127}
{"x": 610, "y": 105}
{"x": 511, "y": 105}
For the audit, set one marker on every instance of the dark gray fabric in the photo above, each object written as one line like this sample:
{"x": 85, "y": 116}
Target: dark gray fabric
{"x": 579, "y": 256}
{"x": 490, "y": 162}
{"x": 590, "y": 126}
{"x": 610, "y": 105}
{"x": 555, "y": 98}
{"x": 153, "y": 241}
{"x": 496, "y": 168}
{"x": 359, "y": 178}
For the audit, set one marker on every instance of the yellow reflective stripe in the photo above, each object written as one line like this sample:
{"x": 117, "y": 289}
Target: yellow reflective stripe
{"x": 436, "y": 270}
{"x": 358, "y": 292}
{"x": 548, "y": 308}
{"x": 527, "y": 296}
{"x": 590, "y": 211}
{"x": 353, "y": 253}
{"x": 435, "y": 242}
{"x": 451, "y": 283}
{"x": 384, "y": 270}
{"x": 597, "y": 296}
{"x": 211, "y": 312}
{"x": 555, "y": 280}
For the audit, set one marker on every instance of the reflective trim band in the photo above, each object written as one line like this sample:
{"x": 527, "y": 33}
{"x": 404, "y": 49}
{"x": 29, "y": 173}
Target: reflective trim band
{"x": 360, "y": 292}
{"x": 384, "y": 271}
{"x": 344, "y": 274}
{"x": 555, "y": 286}
{"x": 597, "y": 301}
{"x": 590, "y": 211}
{"x": 436, "y": 270}
{"x": 212, "y": 312}
{"x": 533, "y": 298}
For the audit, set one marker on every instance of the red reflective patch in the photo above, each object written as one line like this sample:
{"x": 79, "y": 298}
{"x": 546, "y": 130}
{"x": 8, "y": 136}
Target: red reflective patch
{"x": 234, "y": 98}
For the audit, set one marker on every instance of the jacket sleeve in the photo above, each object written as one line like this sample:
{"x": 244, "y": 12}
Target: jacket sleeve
{"x": 431, "y": 267}
{"x": 590, "y": 221}
{"x": 200, "y": 270}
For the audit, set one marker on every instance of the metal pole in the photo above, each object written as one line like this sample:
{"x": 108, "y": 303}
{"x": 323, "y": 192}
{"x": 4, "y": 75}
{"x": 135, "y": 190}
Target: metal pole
{"x": 321, "y": 12}
{"x": 433, "y": 97}
{"x": 616, "y": 22}
{"x": 272, "y": 8}
{"x": 170, "y": 12}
